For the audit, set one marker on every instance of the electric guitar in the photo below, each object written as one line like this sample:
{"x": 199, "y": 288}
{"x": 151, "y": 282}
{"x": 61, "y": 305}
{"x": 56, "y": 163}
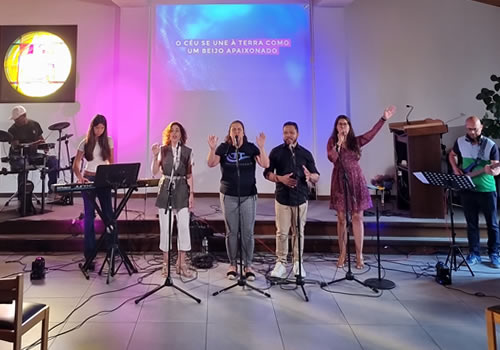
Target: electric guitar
{"x": 481, "y": 171}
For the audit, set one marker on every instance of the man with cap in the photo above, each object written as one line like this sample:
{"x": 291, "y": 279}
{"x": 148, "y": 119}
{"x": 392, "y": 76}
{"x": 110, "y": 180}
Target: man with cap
{"x": 26, "y": 131}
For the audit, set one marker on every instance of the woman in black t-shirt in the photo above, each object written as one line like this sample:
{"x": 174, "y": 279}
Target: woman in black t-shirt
{"x": 237, "y": 158}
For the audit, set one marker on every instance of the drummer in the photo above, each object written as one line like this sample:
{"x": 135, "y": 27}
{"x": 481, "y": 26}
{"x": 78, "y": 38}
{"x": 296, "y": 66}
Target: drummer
{"x": 26, "y": 131}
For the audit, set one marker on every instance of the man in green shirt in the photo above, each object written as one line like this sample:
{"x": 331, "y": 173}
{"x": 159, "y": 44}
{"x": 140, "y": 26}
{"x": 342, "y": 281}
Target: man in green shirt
{"x": 474, "y": 155}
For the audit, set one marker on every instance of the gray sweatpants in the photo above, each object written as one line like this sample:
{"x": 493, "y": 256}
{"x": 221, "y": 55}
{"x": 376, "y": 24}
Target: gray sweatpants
{"x": 229, "y": 205}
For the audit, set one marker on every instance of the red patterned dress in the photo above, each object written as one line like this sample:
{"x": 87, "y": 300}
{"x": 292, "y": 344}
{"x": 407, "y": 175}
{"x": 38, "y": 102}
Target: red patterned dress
{"x": 358, "y": 195}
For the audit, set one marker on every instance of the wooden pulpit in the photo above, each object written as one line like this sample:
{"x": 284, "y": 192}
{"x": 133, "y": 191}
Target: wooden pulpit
{"x": 417, "y": 147}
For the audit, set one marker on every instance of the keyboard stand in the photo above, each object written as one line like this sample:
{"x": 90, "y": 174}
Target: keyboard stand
{"x": 110, "y": 236}
{"x": 113, "y": 176}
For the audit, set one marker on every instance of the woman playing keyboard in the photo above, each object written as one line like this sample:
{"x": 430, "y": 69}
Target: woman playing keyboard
{"x": 96, "y": 149}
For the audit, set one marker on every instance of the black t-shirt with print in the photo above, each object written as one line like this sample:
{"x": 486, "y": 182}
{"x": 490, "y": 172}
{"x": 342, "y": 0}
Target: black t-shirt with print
{"x": 30, "y": 132}
{"x": 229, "y": 181}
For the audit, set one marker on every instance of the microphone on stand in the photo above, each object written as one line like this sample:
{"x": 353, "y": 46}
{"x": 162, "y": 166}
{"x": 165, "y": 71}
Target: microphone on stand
{"x": 409, "y": 112}
{"x": 461, "y": 115}
{"x": 294, "y": 163}
{"x": 177, "y": 156}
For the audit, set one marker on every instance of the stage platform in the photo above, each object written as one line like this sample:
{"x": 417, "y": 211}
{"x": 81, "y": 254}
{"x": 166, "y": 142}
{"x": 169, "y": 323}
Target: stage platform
{"x": 60, "y": 228}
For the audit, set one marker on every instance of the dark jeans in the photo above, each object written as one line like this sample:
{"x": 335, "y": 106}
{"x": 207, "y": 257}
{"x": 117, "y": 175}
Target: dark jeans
{"x": 52, "y": 173}
{"x": 485, "y": 202}
{"x": 89, "y": 203}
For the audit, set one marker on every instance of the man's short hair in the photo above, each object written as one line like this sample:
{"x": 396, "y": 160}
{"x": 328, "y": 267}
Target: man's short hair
{"x": 294, "y": 124}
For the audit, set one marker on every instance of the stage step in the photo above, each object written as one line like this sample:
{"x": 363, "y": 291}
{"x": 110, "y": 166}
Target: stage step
{"x": 143, "y": 235}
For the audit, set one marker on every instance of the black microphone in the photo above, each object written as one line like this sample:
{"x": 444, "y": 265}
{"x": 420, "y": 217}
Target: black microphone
{"x": 237, "y": 143}
{"x": 409, "y": 112}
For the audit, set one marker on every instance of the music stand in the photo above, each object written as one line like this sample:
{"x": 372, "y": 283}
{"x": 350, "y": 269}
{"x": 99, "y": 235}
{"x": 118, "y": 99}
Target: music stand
{"x": 113, "y": 176}
{"x": 449, "y": 182}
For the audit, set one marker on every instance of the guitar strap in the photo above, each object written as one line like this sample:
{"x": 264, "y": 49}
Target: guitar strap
{"x": 480, "y": 155}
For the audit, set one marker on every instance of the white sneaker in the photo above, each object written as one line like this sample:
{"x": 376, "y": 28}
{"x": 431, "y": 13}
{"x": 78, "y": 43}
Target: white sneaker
{"x": 279, "y": 270}
{"x": 296, "y": 269}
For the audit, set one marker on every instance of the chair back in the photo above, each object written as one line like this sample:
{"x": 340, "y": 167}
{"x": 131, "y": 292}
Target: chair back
{"x": 11, "y": 290}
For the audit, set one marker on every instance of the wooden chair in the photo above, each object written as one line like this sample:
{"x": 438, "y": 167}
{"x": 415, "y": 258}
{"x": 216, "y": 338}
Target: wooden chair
{"x": 18, "y": 317}
{"x": 492, "y": 318}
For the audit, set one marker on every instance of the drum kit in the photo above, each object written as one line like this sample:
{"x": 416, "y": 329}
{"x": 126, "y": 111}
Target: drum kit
{"x": 28, "y": 158}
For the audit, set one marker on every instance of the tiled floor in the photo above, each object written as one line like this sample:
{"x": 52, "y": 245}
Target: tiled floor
{"x": 417, "y": 314}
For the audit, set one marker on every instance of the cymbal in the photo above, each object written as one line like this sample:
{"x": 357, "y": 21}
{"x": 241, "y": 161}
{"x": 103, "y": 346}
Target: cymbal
{"x": 5, "y": 136}
{"x": 59, "y": 126}
{"x": 28, "y": 144}
{"x": 64, "y": 138}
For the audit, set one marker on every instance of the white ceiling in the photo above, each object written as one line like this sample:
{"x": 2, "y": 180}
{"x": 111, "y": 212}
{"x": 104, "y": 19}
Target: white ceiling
{"x": 324, "y": 3}
{"x": 139, "y": 3}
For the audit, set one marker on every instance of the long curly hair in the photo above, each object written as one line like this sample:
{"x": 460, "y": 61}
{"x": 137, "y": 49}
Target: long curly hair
{"x": 91, "y": 139}
{"x": 351, "y": 142}
{"x": 168, "y": 130}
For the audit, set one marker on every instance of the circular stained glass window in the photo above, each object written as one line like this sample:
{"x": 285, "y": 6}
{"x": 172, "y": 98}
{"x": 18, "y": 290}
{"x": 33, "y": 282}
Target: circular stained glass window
{"x": 37, "y": 64}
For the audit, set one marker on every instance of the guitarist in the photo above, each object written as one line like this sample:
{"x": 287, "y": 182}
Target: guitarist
{"x": 477, "y": 156}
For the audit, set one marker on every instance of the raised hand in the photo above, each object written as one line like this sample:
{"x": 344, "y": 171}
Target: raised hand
{"x": 212, "y": 141}
{"x": 307, "y": 173}
{"x": 389, "y": 112}
{"x": 261, "y": 140}
{"x": 155, "y": 148}
{"x": 341, "y": 139}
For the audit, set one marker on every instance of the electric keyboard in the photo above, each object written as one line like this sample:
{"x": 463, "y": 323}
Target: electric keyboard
{"x": 79, "y": 187}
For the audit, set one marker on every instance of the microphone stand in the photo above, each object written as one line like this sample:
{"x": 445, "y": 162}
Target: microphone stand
{"x": 299, "y": 280}
{"x": 349, "y": 276}
{"x": 242, "y": 281}
{"x": 168, "y": 280}
{"x": 379, "y": 283}
{"x": 66, "y": 199}
{"x": 25, "y": 182}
